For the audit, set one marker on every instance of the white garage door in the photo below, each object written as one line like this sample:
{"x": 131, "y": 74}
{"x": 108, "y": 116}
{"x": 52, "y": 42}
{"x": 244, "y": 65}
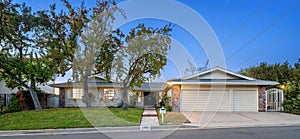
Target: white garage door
{"x": 218, "y": 100}
{"x": 204, "y": 100}
{"x": 245, "y": 100}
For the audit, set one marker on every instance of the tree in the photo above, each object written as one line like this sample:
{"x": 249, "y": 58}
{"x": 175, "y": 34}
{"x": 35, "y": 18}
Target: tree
{"x": 35, "y": 46}
{"x": 275, "y": 72}
{"x": 142, "y": 58}
{"x": 97, "y": 47}
{"x": 286, "y": 75}
{"x": 19, "y": 29}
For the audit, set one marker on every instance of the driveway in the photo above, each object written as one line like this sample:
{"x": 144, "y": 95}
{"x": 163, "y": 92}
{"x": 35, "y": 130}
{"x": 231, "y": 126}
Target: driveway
{"x": 240, "y": 119}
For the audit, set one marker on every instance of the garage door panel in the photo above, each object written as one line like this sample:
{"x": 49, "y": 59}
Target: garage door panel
{"x": 204, "y": 100}
{"x": 236, "y": 100}
{"x": 245, "y": 100}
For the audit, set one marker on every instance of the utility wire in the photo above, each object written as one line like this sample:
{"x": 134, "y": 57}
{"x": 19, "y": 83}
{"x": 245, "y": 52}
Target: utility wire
{"x": 242, "y": 27}
{"x": 264, "y": 30}
{"x": 277, "y": 41}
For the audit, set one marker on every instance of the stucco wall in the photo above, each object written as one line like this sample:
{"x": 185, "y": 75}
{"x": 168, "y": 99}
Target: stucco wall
{"x": 96, "y": 102}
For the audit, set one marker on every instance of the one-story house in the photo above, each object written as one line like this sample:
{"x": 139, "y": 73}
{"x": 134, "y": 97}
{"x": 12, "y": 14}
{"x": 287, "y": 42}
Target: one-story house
{"x": 108, "y": 93}
{"x": 216, "y": 89}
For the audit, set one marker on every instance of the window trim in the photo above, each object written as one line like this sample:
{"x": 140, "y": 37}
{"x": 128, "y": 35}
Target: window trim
{"x": 108, "y": 93}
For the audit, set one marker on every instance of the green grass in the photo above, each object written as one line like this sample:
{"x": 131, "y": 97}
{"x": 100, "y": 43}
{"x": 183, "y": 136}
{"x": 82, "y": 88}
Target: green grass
{"x": 70, "y": 118}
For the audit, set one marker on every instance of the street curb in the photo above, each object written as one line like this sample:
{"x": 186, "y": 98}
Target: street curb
{"x": 88, "y": 130}
{"x": 122, "y": 129}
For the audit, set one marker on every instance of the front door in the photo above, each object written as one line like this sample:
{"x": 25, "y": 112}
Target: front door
{"x": 149, "y": 98}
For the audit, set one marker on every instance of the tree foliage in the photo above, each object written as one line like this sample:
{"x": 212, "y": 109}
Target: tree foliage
{"x": 36, "y": 45}
{"x": 97, "y": 47}
{"x": 142, "y": 57}
{"x": 286, "y": 74}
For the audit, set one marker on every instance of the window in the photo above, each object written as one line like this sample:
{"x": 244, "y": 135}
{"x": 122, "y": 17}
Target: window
{"x": 109, "y": 93}
{"x": 77, "y": 94}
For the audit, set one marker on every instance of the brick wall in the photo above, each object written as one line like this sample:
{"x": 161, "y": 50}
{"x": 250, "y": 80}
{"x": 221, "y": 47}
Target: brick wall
{"x": 176, "y": 98}
{"x": 261, "y": 99}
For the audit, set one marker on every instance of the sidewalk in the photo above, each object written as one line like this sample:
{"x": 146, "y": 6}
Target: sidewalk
{"x": 149, "y": 119}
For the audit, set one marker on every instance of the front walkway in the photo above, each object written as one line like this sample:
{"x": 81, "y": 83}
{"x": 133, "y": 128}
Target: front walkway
{"x": 149, "y": 119}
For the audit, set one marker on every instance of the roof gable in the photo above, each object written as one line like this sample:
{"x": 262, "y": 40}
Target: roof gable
{"x": 217, "y": 73}
{"x": 96, "y": 79}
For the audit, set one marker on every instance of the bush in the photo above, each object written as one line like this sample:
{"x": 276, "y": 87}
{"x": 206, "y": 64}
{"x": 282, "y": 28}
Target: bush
{"x": 169, "y": 108}
{"x": 25, "y": 99}
{"x": 4, "y": 110}
{"x": 119, "y": 105}
{"x": 14, "y": 106}
{"x": 292, "y": 104}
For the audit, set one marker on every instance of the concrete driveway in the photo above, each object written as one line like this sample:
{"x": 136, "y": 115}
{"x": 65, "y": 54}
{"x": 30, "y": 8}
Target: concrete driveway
{"x": 240, "y": 119}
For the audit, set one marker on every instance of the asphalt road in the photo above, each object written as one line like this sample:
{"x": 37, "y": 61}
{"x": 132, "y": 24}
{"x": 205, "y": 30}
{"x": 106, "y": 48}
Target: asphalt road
{"x": 289, "y": 132}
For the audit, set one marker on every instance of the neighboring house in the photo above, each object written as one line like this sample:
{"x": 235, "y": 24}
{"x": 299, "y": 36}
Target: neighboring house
{"x": 6, "y": 93}
{"x": 107, "y": 93}
{"x": 216, "y": 89}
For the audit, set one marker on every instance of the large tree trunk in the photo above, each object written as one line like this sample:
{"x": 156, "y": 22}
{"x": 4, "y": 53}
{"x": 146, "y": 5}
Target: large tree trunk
{"x": 33, "y": 94}
{"x": 86, "y": 92}
{"x": 125, "y": 96}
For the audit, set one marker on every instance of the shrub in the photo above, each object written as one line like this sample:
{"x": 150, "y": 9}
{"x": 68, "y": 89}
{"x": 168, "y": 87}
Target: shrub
{"x": 119, "y": 105}
{"x": 4, "y": 110}
{"x": 169, "y": 108}
{"x": 14, "y": 105}
{"x": 25, "y": 99}
{"x": 292, "y": 104}
{"x": 165, "y": 100}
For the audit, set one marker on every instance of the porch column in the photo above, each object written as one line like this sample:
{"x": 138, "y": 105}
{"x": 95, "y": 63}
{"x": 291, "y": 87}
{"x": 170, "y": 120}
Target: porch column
{"x": 261, "y": 99}
{"x": 61, "y": 97}
{"x": 176, "y": 98}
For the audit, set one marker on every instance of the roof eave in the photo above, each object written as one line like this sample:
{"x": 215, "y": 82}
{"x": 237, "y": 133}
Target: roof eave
{"x": 221, "y": 69}
{"x": 226, "y": 83}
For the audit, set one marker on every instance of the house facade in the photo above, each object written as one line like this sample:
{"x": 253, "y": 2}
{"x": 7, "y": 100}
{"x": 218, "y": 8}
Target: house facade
{"x": 108, "y": 93}
{"x": 216, "y": 89}
{"x": 5, "y": 94}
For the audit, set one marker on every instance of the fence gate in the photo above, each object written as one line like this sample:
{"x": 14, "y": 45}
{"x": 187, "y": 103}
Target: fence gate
{"x": 4, "y": 100}
{"x": 274, "y": 99}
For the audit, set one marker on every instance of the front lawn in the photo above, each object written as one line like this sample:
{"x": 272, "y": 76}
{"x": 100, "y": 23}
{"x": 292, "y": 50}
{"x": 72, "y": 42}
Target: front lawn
{"x": 70, "y": 118}
{"x": 172, "y": 118}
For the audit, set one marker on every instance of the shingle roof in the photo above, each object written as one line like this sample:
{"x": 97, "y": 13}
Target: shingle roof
{"x": 151, "y": 87}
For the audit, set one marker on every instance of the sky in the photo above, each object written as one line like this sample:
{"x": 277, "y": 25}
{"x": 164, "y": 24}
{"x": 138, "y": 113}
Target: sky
{"x": 248, "y": 31}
